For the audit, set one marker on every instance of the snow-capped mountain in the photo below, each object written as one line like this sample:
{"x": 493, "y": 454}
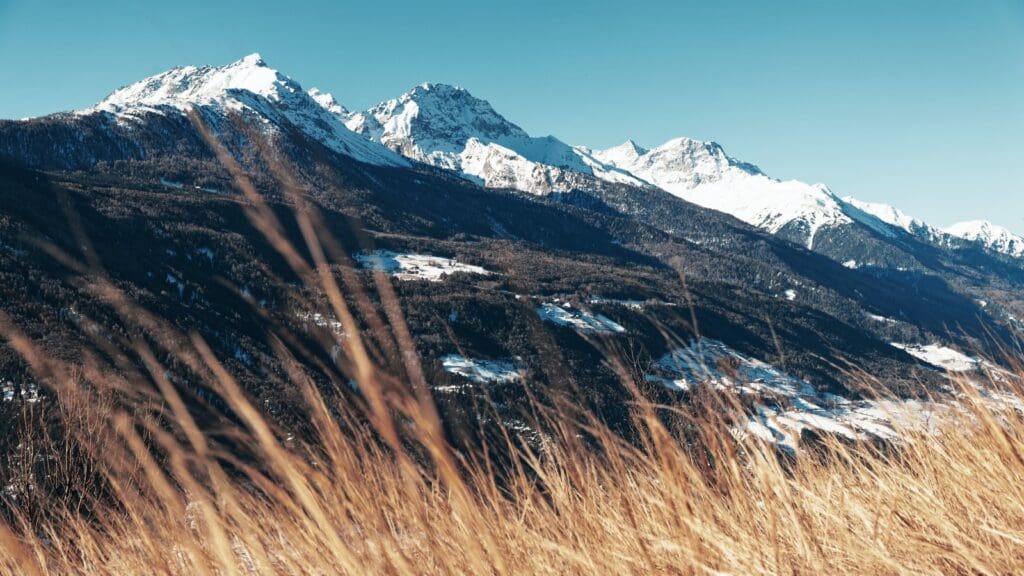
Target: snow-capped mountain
{"x": 447, "y": 127}
{"x": 247, "y": 86}
{"x": 989, "y": 235}
{"x": 702, "y": 173}
{"x": 890, "y": 215}
{"x": 612, "y": 247}
{"x": 891, "y": 221}
{"x": 982, "y": 232}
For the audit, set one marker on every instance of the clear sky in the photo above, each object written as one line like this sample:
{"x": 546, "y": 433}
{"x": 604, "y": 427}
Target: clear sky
{"x": 916, "y": 103}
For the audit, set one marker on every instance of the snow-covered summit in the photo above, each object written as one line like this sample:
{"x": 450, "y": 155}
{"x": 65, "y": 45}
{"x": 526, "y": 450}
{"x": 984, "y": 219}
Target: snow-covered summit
{"x": 627, "y": 153}
{"x": 245, "y": 86}
{"x": 680, "y": 161}
{"x": 991, "y": 236}
{"x": 448, "y": 127}
{"x": 433, "y": 118}
{"x": 185, "y": 86}
{"x": 702, "y": 173}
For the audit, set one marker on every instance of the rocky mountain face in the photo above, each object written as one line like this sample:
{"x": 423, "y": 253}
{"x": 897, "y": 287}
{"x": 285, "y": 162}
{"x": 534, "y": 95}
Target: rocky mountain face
{"x": 448, "y": 127}
{"x": 503, "y": 247}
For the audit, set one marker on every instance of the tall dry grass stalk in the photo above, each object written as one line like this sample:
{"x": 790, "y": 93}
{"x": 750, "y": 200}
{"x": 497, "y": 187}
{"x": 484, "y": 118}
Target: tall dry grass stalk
{"x": 377, "y": 488}
{"x": 946, "y": 502}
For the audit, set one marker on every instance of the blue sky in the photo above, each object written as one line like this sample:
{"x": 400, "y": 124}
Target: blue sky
{"x": 916, "y": 103}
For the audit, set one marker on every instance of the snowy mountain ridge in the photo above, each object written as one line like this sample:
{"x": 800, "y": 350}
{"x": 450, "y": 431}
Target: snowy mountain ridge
{"x": 989, "y": 235}
{"x": 889, "y": 215}
{"x": 447, "y": 127}
{"x": 702, "y": 173}
{"x": 245, "y": 86}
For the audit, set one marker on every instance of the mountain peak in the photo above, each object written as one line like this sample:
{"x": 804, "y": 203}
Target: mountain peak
{"x": 251, "y": 87}
{"x": 625, "y": 154}
{"x": 449, "y": 111}
{"x": 992, "y": 236}
{"x": 696, "y": 160}
{"x": 434, "y": 118}
{"x": 685, "y": 142}
{"x": 439, "y": 87}
{"x": 974, "y": 227}
{"x": 446, "y": 126}
{"x": 704, "y": 174}
{"x": 187, "y": 86}
{"x": 253, "y": 59}
{"x": 630, "y": 146}
{"x": 328, "y": 102}
{"x": 694, "y": 148}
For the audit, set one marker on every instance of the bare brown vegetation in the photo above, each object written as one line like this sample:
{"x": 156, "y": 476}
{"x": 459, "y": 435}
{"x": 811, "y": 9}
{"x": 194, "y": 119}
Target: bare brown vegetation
{"x": 377, "y": 487}
{"x": 945, "y": 502}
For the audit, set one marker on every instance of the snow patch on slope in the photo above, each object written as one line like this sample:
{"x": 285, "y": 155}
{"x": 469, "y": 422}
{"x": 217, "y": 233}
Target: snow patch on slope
{"x": 941, "y": 356}
{"x": 580, "y": 320}
{"x": 789, "y": 406}
{"x": 710, "y": 362}
{"x": 404, "y": 266}
{"x": 481, "y": 371}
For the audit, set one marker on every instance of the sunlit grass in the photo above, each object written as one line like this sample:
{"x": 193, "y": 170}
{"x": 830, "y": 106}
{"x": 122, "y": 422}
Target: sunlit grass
{"x": 377, "y": 488}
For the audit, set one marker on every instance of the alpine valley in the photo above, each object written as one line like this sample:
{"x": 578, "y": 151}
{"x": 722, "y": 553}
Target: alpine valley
{"x": 520, "y": 262}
